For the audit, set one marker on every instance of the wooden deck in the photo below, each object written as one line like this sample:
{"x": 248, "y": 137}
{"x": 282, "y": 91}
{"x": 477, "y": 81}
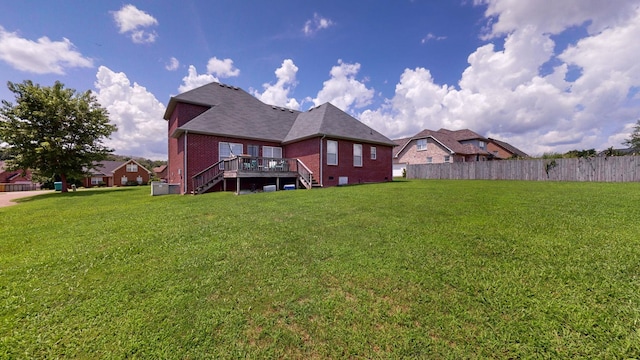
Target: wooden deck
{"x": 244, "y": 167}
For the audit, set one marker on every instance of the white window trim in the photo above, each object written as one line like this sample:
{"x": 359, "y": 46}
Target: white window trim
{"x": 131, "y": 167}
{"x": 270, "y": 152}
{"x": 334, "y": 143}
{"x": 374, "y": 153}
{"x": 357, "y": 155}
{"x": 418, "y": 147}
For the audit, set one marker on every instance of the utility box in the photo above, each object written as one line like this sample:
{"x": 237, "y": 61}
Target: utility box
{"x": 159, "y": 188}
{"x": 57, "y": 185}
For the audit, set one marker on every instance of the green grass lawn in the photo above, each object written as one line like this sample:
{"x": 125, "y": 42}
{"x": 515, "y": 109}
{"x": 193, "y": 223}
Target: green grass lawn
{"x": 417, "y": 269}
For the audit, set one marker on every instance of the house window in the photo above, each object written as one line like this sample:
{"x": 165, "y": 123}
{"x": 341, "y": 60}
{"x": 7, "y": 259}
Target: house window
{"x": 132, "y": 168}
{"x": 374, "y": 154}
{"x": 332, "y": 152}
{"x": 357, "y": 154}
{"x": 139, "y": 179}
{"x": 96, "y": 180}
{"x": 226, "y": 150}
{"x": 429, "y": 160}
{"x": 272, "y": 152}
{"x": 482, "y": 144}
{"x": 447, "y": 158}
{"x": 253, "y": 150}
{"x": 422, "y": 144}
{"x": 123, "y": 180}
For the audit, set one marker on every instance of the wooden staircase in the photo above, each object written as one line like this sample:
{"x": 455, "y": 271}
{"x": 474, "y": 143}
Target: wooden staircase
{"x": 207, "y": 178}
{"x": 214, "y": 174}
{"x": 305, "y": 176}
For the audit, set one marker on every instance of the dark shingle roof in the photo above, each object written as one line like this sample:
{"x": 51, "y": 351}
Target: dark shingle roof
{"x": 450, "y": 140}
{"x": 105, "y": 167}
{"x": 328, "y": 120}
{"x": 510, "y": 148}
{"x": 236, "y": 113}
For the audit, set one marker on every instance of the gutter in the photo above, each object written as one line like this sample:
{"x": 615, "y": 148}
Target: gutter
{"x": 321, "y": 160}
{"x": 184, "y": 168}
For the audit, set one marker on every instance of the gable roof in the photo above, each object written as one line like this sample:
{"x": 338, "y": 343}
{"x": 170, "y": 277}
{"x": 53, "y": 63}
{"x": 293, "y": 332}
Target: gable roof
{"x": 235, "y": 113}
{"x": 105, "y": 168}
{"x": 133, "y": 161}
{"x": 450, "y": 140}
{"x": 108, "y": 167}
{"x": 510, "y": 148}
{"x": 328, "y": 120}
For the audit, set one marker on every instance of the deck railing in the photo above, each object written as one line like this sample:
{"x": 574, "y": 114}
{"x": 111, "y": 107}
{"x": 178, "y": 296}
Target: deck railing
{"x": 306, "y": 175}
{"x": 207, "y": 176}
{"x": 260, "y": 164}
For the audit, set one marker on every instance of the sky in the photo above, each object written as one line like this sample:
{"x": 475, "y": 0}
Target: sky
{"x": 544, "y": 75}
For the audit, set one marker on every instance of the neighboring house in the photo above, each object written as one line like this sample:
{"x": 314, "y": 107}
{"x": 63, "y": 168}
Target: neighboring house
{"x": 14, "y": 180}
{"x": 117, "y": 173}
{"x": 14, "y": 176}
{"x": 619, "y": 152}
{"x": 223, "y": 138}
{"x": 160, "y": 172}
{"x": 447, "y": 146}
{"x": 502, "y": 150}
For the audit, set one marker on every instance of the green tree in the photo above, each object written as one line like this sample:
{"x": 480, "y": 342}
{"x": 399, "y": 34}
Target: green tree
{"x": 634, "y": 141}
{"x": 53, "y": 131}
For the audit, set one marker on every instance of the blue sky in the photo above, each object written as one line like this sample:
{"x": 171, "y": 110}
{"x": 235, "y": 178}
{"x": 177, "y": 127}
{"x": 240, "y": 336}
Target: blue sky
{"x": 545, "y": 75}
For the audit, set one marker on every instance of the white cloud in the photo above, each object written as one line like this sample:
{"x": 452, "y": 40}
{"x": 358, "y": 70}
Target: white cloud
{"x": 551, "y": 16}
{"x": 316, "y": 24}
{"x": 136, "y": 112}
{"x": 173, "y": 64}
{"x": 133, "y": 21}
{"x": 222, "y": 68}
{"x": 41, "y": 57}
{"x": 194, "y": 80}
{"x": 505, "y": 93}
{"x": 343, "y": 90}
{"x": 278, "y": 93}
{"x": 216, "y": 69}
{"x": 430, "y": 37}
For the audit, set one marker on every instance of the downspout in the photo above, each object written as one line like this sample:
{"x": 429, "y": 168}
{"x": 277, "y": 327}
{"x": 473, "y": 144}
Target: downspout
{"x": 321, "y": 160}
{"x": 184, "y": 168}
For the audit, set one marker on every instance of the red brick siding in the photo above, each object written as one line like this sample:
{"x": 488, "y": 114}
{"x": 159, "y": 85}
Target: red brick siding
{"x": 180, "y": 116}
{"x": 502, "y": 153}
{"x": 308, "y": 152}
{"x": 202, "y": 152}
{"x": 131, "y": 176}
{"x": 108, "y": 181}
{"x": 378, "y": 170}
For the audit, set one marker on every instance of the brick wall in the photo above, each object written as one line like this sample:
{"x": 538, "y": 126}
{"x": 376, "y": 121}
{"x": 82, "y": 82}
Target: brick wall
{"x": 378, "y": 170}
{"x": 131, "y": 176}
{"x": 411, "y": 155}
{"x": 182, "y": 113}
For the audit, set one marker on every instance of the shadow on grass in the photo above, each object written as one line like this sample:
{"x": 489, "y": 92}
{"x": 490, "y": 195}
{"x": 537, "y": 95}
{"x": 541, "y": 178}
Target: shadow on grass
{"x": 79, "y": 193}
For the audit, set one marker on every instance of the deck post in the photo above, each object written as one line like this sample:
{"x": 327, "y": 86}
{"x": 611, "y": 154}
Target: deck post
{"x": 277, "y": 183}
{"x": 237, "y": 185}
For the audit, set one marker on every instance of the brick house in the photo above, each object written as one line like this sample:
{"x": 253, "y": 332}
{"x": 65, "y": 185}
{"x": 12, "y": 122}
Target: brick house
{"x": 117, "y": 173}
{"x": 15, "y": 180}
{"x": 447, "y": 146}
{"x": 223, "y": 138}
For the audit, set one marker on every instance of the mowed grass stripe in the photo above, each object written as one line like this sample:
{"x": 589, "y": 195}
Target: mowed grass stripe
{"x": 456, "y": 269}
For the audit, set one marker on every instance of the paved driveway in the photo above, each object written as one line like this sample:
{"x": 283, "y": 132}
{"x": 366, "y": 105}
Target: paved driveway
{"x": 6, "y": 198}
